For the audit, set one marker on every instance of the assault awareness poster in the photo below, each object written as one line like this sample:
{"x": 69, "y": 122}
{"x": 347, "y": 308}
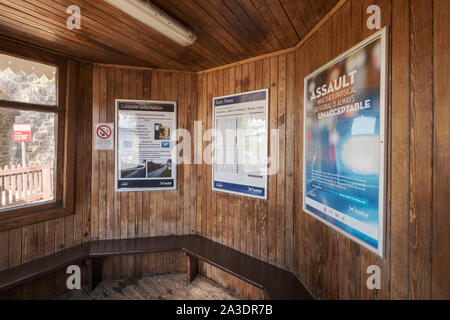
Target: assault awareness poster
{"x": 144, "y": 158}
{"x": 240, "y": 152}
{"x": 344, "y": 146}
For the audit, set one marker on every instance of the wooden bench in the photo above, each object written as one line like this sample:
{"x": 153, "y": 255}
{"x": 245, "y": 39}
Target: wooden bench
{"x": 277, "y": 284}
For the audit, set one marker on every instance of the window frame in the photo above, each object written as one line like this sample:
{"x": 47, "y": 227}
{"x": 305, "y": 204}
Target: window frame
{"x": 64, "y": 110}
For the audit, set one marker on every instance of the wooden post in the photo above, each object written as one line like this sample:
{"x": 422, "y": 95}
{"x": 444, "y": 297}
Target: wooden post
{"x": 12, "y": 181}
{"x": 1, "y": 190}
{"x": 20, "y": 183}
{"x": 46, "y": 182}
{"x": 89, "y": 274}
{"x": 192, "y": 267}
{"x": 7, "y": 187}
{"x": 94, "y": 272}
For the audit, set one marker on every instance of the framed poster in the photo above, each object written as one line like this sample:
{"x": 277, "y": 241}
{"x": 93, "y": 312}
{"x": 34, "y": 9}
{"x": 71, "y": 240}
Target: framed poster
{"x": 144, "y": 157}
{"x": 240, "y": 149}
{"x": 344, "y": 143}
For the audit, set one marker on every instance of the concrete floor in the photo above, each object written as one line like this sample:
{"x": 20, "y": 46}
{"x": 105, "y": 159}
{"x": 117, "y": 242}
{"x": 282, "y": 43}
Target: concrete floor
{"x": 164, "y": 287}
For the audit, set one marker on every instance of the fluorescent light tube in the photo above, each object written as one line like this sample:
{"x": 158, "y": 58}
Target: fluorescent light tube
{"x": 152, "y": 16}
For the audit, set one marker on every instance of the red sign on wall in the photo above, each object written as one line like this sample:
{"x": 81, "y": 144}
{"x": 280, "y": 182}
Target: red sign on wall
{"x": 22, "y": 132}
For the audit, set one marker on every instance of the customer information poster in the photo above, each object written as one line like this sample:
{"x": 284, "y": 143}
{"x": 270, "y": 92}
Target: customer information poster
{"x": 240, "y": 144}
{"x": 344, "y": 146}
{"x": 144, "y": 159}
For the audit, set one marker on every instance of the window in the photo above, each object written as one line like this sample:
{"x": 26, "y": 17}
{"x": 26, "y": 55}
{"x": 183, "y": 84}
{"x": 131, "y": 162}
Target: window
{"x": 27, "y": 138}
{"x": 27, "y": 157}
{"x": 27, "y": 81}
{"x": 35, "y": 139}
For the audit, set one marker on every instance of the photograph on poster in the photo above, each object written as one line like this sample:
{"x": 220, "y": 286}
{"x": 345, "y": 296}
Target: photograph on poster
{"x": 144, "y": 146}
{"x": 240, "y": 144}
{"x": 344, "y": 147}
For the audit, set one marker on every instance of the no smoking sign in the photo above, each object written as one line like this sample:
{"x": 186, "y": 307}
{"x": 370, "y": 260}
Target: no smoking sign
{"x": 104, "y": 136}
{"x": 104, "y": 132}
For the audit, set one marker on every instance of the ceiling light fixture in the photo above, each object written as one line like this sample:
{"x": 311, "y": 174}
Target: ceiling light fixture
{"x": 152, "y": 16}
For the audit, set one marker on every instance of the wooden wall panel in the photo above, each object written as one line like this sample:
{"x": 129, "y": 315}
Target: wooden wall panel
{"x": 421, "y": 148}
{"x": 235, "y": 220}
{"x": 440, "y": 284}
{"x": 139, "y": 214}
{"x": 400, "y": 116}
{"x": 31, "y": 242}
{"x": 276, "y": 230}
{"x": 332, "y": 266}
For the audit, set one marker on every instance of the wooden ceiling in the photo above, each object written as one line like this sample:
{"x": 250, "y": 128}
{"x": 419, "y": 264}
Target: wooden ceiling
{"x": 227, "y": 30}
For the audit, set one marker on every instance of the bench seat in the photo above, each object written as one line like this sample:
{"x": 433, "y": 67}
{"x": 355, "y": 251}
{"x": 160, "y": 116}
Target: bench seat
{"x": 277, "y": 283}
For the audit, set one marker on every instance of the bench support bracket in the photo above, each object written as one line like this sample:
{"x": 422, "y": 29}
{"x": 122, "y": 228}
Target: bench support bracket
{"x": 192, "y": 267}
{"x": 94, "y": 272}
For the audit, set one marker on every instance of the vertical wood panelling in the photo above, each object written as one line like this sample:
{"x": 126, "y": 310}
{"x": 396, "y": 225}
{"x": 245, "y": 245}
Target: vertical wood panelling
{"x": 274, "y": 230}
{"x": 32, "y": 242}
{"x": 421, "y": 148}
{"x": 331, "y": 265}
{"x": 139, "y": 214}
{"x": 441, "y": 153}
{"x": 400, "y": 154}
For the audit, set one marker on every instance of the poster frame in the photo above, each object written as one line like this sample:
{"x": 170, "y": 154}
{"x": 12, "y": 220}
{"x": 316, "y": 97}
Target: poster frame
{"x": 384, "y": 103}
{"x": 116, "y": 144}
{"x": 266, "y": 106}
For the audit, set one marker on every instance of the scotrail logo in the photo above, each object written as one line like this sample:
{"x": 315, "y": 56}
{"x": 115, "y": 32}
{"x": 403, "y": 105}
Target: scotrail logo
{"x": 358, "y": 212}
{"x": 255, "y": 190}
{"x": 165, "y": 144}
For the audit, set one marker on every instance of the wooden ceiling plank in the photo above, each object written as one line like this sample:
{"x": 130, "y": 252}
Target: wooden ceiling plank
{"x": 329, "y": 5}
{"x": 91, "y": 30}
{"x": 295, "y": 16}
{"x": 22, "y": 21}
{"x": 11, "y": 27}
{"x": 240, "y": 18}
{"x": 101, "y": 19}
{"x": 141, "y": 33}
{"x": 19, "y": 20}
{"x": 114, "y": 16}
{"x": 272, "y": 22}
{"x": 283, "y": 20}
{"x": 227, "y": 30}
{"x": 28, "y": 17}
{"x": 222, "y": 16}
{"x": 82, "y": 47}
{"x": 230, "y": 22}
{"x": 204, "y": 39}
{"x": 305, "y": 9}
{"x": 257, "y": 19}
{"x": 200, "y": 55}
{"x": 48, "y": 11}
{"x": 314, "y": 9}
{"x": 320, "y": 8}
{"x": 206, "y": 52}
{"x": 13, "y": 35}
{"x": 206, "y": 25}
{"x": 54, "y": 28}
